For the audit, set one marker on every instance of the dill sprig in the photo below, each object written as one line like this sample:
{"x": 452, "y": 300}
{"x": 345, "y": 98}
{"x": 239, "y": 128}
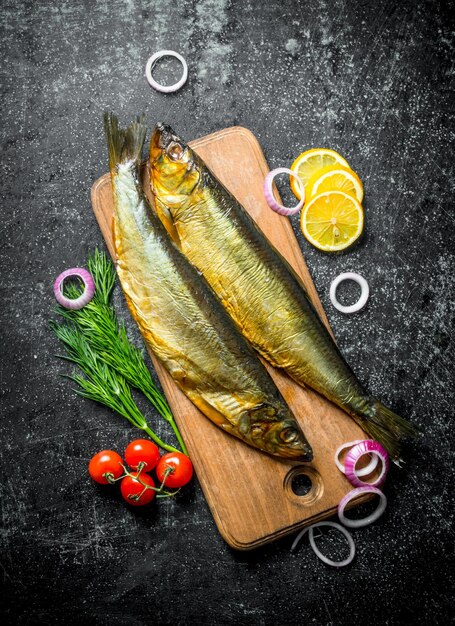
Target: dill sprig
{"x": 99, "y": 342}
{"x": 101, "y": 383}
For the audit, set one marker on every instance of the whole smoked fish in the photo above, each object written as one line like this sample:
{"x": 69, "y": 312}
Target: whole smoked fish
{"x": 183, "y": 322}
{"x": 256, "y": 285}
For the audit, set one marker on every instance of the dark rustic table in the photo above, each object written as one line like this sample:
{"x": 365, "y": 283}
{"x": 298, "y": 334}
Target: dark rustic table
{"x": 373, "y": 80}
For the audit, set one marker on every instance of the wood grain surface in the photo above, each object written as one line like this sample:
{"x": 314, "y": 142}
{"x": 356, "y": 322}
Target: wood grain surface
{"x": 250, "y": 493}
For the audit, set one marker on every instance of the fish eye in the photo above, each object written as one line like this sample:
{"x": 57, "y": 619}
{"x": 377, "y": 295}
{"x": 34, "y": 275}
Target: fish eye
{"x": 288, "y": 435}
{"x": 175, "y": 151}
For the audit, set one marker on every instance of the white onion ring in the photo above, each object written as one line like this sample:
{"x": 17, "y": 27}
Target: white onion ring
{"x": 151, "y": 64}
{"x": 86, "y": 295}
{"x": 368, "y": 446}
{"x": 361, "y": 472}
{"x": 270, "y": 198}
{"x": 363, "y": 296}
{"x": 359, "y": 523}
{"x": 316, "y": 550}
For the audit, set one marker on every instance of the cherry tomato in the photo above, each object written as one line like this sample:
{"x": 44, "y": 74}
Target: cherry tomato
{"x": 105, "y": 462}
{"x": 142, "y": 450}
{"x": 181, "y": 469}
{"x": 134, "y": 492}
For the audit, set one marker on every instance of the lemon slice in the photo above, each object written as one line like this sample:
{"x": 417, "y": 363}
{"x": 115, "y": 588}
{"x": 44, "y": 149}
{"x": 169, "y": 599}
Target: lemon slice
{"x": 309, "y": 162}
{"x": 335, "y": 178}
{"x": 332, "y": 220}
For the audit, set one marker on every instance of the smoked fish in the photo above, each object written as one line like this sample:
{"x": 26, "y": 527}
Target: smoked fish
{"x": 256, "y": 285}
{"x": 183, "y": 322}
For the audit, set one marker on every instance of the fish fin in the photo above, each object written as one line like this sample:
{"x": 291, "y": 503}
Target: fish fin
{"x": 385, "y": 426}
{"x": 166, "y": 218}
{"x": 134, "y": 140}
{"x": 124, "y": 144}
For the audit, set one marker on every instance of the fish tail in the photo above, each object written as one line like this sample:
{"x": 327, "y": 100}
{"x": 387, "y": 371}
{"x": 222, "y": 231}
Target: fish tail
{"x": 124, "y": 144}
{"x": 386, "y": 427}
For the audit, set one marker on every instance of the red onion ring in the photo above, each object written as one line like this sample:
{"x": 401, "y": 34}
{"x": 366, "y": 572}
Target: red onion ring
{"x": 366, "y": 447}
{"x": 86, "y": 295}
{"x": 316, "y": 550}
{"x": 270, "y": 198}
{"x": 361, "y": 472}
{"x": 359, "y": 523}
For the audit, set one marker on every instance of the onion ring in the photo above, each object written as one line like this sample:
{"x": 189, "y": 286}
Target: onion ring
{"x": 356, "y": 452}
{"x": 359, "y": 523}
{"x": 316, "y": 550}
{"x": 361, "y": 472}
{"x": 363, "y": 296}
{"x": 86, "y": 295}
{"x": 270, "y": 198}
{"x": 151, "y": 64}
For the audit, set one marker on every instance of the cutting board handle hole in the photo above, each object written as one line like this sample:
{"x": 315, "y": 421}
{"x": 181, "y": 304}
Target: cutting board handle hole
{"x": 301, "y": 484}
{"x": 304, "y": 484}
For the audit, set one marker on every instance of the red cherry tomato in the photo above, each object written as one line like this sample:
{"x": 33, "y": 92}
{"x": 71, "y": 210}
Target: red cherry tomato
{"x": 142, "y": 450}
{"x": 180, "y": 472}
{"x": 134, "y": 492}
{"x": 105, "y": 462}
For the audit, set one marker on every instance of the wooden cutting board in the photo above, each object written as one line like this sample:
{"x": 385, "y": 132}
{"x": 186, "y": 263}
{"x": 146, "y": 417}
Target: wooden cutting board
{"x": 252, "y": 495}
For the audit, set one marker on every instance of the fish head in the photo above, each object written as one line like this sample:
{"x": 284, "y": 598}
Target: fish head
{"x": 173, "y": 170}
{"x": 278, "y": 435}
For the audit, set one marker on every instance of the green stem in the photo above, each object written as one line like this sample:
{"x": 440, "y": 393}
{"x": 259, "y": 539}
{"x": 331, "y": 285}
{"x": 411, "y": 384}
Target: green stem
{"x": 158, "y": 441}
{"x": 167, "y": 415}
{"x": 179, "y": 437}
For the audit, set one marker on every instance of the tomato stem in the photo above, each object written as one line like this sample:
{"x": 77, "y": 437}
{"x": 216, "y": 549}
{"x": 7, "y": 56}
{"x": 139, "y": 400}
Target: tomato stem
{"x": 137, "y": 496}
{"x": 140, "y": 467}
{"x": 159, "y": 490}
{"x": 109, "y": 476}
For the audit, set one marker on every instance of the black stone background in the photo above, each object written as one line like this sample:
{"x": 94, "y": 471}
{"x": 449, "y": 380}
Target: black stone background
{"x": 373, "y": 80}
